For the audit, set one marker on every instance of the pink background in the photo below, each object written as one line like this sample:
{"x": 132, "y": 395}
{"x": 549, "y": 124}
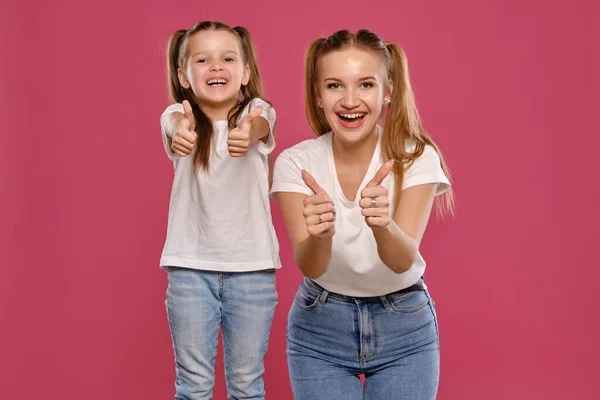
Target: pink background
{"x": 506, "y": 88}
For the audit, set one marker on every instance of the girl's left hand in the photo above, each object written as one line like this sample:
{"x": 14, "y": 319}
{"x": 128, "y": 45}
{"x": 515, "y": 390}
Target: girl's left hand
{"x": 239, "y": 139}
{"x": 374, "y": 199}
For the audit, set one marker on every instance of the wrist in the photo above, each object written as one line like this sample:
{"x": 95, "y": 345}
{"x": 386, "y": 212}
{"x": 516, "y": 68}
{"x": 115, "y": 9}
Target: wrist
{"x": 382, "y": 232}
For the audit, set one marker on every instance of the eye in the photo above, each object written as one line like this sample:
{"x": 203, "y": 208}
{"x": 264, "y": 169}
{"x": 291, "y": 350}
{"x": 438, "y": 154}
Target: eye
{"x": 228, "y": 59}
{"x": 366, "y": 85}
{"x": 202, "y": 60}
{"x": 333, "y": 86}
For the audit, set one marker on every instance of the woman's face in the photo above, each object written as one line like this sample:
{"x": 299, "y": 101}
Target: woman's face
{"x": 352, "y": 85}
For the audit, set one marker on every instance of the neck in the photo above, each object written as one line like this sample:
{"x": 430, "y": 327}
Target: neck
{"x": 217, "y": 111}
{"x": 358, "y": 154}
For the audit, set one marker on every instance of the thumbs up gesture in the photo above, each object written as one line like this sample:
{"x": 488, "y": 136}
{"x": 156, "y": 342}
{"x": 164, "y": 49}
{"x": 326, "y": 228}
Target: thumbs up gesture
{"x": 239, "y": 139}
{"x": 319, "y": 213}
{"x": 184, "y": 138}
{"x": 374, "y": 199}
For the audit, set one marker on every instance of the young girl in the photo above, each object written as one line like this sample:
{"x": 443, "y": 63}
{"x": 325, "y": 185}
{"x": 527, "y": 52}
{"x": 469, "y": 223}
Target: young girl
{"x": 356, "y": 201}
{"x": 221, "y": 251}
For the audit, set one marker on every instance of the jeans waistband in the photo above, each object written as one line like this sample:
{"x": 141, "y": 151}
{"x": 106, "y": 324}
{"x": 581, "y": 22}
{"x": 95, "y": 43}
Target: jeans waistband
{"x": 324, "y": 293}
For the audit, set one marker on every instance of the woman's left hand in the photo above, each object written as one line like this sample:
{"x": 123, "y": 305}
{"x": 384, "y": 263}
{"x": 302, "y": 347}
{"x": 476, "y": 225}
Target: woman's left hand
{"x": 374, "y": 199}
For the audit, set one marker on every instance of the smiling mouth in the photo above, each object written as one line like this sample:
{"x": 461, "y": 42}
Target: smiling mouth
{"x": 216, "y": 82}
{"x": 351, "y": 117}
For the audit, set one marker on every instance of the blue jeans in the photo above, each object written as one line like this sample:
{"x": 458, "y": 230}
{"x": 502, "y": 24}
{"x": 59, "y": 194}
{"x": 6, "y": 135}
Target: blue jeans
{"x": 198, "y": 304}
{"x": 392, "y": 340}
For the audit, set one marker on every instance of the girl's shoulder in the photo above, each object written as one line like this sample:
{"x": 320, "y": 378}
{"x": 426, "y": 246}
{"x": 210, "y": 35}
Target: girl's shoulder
{"x": 258, "y": 102}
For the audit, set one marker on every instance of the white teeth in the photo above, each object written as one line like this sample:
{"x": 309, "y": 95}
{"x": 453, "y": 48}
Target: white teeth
{"x": 217, "y": 82}
{"x": 352, "y": 116}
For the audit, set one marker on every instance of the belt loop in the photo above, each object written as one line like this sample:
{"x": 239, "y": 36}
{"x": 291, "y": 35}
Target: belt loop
{"x": 323, "y": 296}
{"x": 385, "y": 301}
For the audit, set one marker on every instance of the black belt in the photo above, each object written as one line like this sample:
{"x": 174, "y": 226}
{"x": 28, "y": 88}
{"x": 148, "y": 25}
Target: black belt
{"x": 414, "y": 288}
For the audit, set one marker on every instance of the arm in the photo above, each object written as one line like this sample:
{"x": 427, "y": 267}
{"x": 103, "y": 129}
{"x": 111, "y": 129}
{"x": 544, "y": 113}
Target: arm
{"x": 169, "y": 123}
{"x": 260, "y": 129}
{"x": 251, "y": 128}
{"x": 266, "y": 138}
{"x": 310, "y": 223}
{"x": 398, "y": 238}
{"x": 312, "y": 253}
{"x": 398, "y": 242}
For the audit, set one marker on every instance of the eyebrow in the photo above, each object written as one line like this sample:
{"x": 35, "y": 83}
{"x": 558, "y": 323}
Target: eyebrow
{"x": 366, "y": 78}
{"x": 225, "y": 52}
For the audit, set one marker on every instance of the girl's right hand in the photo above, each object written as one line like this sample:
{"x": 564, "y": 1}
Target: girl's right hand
{"x": 319, "y": 212}
{"x": 184, "y": 137}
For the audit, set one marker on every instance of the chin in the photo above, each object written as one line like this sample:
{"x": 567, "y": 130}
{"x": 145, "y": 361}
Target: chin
{"x": 220, "y": 99}
{"x": 354, "y": 135}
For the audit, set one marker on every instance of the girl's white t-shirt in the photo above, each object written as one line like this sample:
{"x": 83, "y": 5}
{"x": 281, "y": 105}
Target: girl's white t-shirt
{"x": 220, "y": 220}
{"x": 355, "y": 268}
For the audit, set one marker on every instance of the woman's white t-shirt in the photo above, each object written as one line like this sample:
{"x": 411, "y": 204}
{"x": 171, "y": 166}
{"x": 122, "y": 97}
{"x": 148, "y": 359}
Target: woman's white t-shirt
{"x": 355, "y": 268}
{"x": 220, "y": 220}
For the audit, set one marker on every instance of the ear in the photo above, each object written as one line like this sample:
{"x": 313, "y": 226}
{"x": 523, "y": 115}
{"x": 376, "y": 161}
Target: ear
{"x": 388, "y": 93}
{"x": 318, "y": 97}
{"x": 246, "y": 77}
{"x": 183, "y": 79}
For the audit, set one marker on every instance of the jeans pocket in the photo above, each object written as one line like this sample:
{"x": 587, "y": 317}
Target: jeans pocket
{"x": 306, "y": 297}
{"x": 409, "y": 302}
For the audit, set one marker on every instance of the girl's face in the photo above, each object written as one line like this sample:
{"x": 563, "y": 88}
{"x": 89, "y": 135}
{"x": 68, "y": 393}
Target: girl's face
{"x": 352, "y": 85}
{"x": 214, "y": 67}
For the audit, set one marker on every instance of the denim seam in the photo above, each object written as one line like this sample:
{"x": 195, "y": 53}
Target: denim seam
{"x": 437, "y": 330}
{"x": 410, "y": 309}
{"x": 360, "y": 337}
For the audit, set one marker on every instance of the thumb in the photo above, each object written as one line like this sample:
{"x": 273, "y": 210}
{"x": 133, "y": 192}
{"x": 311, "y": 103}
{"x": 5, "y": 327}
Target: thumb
{"x": 312, "y": 183}
{"x": 381, "y": 174}
{"x": 189, "y": 114}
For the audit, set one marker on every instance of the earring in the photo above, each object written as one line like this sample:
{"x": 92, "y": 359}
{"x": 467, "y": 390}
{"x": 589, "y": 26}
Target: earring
{"x": 319, "y": 103}
{"x": 386, "y": 102}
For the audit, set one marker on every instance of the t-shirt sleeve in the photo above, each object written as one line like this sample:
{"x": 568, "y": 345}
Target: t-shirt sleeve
{"x": 164, "y": 120}
{"x": 287, "y": 176}
{"x": 270, "y": 115}
{"x": 426, "y": 169}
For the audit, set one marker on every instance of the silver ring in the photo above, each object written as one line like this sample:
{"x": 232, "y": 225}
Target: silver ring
{"x": 373, "y": 202}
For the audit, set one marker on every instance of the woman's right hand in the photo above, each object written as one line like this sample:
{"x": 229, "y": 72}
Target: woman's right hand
{"x": 319, "y": 212}
{"x": 184, "y": 137}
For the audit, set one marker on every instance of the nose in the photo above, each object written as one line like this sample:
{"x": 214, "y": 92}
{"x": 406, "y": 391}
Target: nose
{"x": 350, "y": 99}
{"x": 216, "y": 66}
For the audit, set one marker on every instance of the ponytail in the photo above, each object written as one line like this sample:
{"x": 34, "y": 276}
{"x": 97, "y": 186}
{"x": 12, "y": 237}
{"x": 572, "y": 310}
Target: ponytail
{"x": 403, "y": 128}
{"x": 253, "y": 88}
{"x": 314, "y": 114}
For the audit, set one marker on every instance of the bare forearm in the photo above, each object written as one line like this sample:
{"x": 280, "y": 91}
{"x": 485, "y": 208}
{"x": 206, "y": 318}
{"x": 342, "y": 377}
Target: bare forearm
{"x": 313, "y": 256}
{"x": 396, "y": 249}
{"x": 260, "y": 129}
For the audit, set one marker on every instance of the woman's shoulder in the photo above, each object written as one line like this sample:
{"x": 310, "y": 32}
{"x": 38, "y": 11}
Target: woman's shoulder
{"x": 428, "y": 150}
{"x": 308, "y": 148}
